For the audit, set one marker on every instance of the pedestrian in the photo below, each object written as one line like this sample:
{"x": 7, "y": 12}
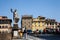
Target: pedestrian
{"x": 21, "y": 34}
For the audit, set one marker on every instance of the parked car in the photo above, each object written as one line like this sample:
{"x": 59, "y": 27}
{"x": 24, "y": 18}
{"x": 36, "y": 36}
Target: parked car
{"x": 29, "y": 31}
{"x": 48, "y": 30}
{"x": 58, "y": 30}
{"x": 39, "y": 31}
{"x": 36, "y": 31}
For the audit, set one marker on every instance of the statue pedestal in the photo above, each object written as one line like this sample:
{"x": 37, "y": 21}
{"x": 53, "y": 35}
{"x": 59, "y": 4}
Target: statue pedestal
{"x": 15, "y": 31}
{"x": 15, "y": 34}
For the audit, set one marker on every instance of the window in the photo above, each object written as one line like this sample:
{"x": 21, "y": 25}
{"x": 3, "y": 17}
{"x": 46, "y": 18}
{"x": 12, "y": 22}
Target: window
{"x": 43, "y": 24}
{"x": 0, "y": 26}
{"x": 38, "y": 23}
{"x": 24, "y": 22}
{"x": 6, "y": 31}
{"x": 6, "y": 21}
{"x": 47, "y": 23}
{"x": 6, "y": 27}
{"x": 0, "y": 21}
{"x": 29, "y": 25}
{"x": 52, "y": 23}
{"x": 2, "y": 31}
{"x": 29, "y": 22}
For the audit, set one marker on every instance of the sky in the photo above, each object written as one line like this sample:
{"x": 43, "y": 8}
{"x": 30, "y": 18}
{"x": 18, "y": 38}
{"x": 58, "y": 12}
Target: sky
{"x": 47, "y": 8}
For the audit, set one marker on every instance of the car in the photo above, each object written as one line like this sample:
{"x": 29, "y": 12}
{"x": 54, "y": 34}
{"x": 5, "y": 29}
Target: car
{"x": 29, "y": 31}
{"x": 48, "y": 30}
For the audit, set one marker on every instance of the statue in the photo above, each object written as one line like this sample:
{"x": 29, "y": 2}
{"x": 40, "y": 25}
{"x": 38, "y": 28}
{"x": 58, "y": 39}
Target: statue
{"x": 15, "y": 15}
{"x": 15, "y": 24}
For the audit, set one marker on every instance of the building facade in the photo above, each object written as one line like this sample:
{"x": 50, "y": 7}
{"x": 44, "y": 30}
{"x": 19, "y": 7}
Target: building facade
{"x": 26, "y": 22}
{"x": 51, "y": 23}
{"x": 38, "y": 23}
{"x": 5, "y": 24}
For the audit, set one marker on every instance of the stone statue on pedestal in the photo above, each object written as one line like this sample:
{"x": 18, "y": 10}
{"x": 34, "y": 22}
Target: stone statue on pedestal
{"x": 15, "y": 25}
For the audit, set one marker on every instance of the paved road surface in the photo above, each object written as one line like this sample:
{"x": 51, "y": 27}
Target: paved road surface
{"x": 42, "y": 37}
{"x": 29, "y": 38}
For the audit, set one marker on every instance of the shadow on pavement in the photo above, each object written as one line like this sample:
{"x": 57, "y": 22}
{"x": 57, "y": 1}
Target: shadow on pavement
{"x": 46, "y": 36}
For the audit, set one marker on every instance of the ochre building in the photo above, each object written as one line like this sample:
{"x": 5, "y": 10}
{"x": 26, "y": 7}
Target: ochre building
{"x": 38, "y": 23}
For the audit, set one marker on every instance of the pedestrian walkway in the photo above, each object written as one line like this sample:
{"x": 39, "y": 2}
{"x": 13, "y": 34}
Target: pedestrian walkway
{"x": 34, "y": 38}
{"x": 41, "y": 37}
{"x": 29, "y": 38}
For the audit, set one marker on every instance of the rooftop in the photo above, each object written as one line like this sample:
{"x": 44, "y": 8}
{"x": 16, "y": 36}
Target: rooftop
{"x": 5, "y": 18}
{"x": 27, "y": 16}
